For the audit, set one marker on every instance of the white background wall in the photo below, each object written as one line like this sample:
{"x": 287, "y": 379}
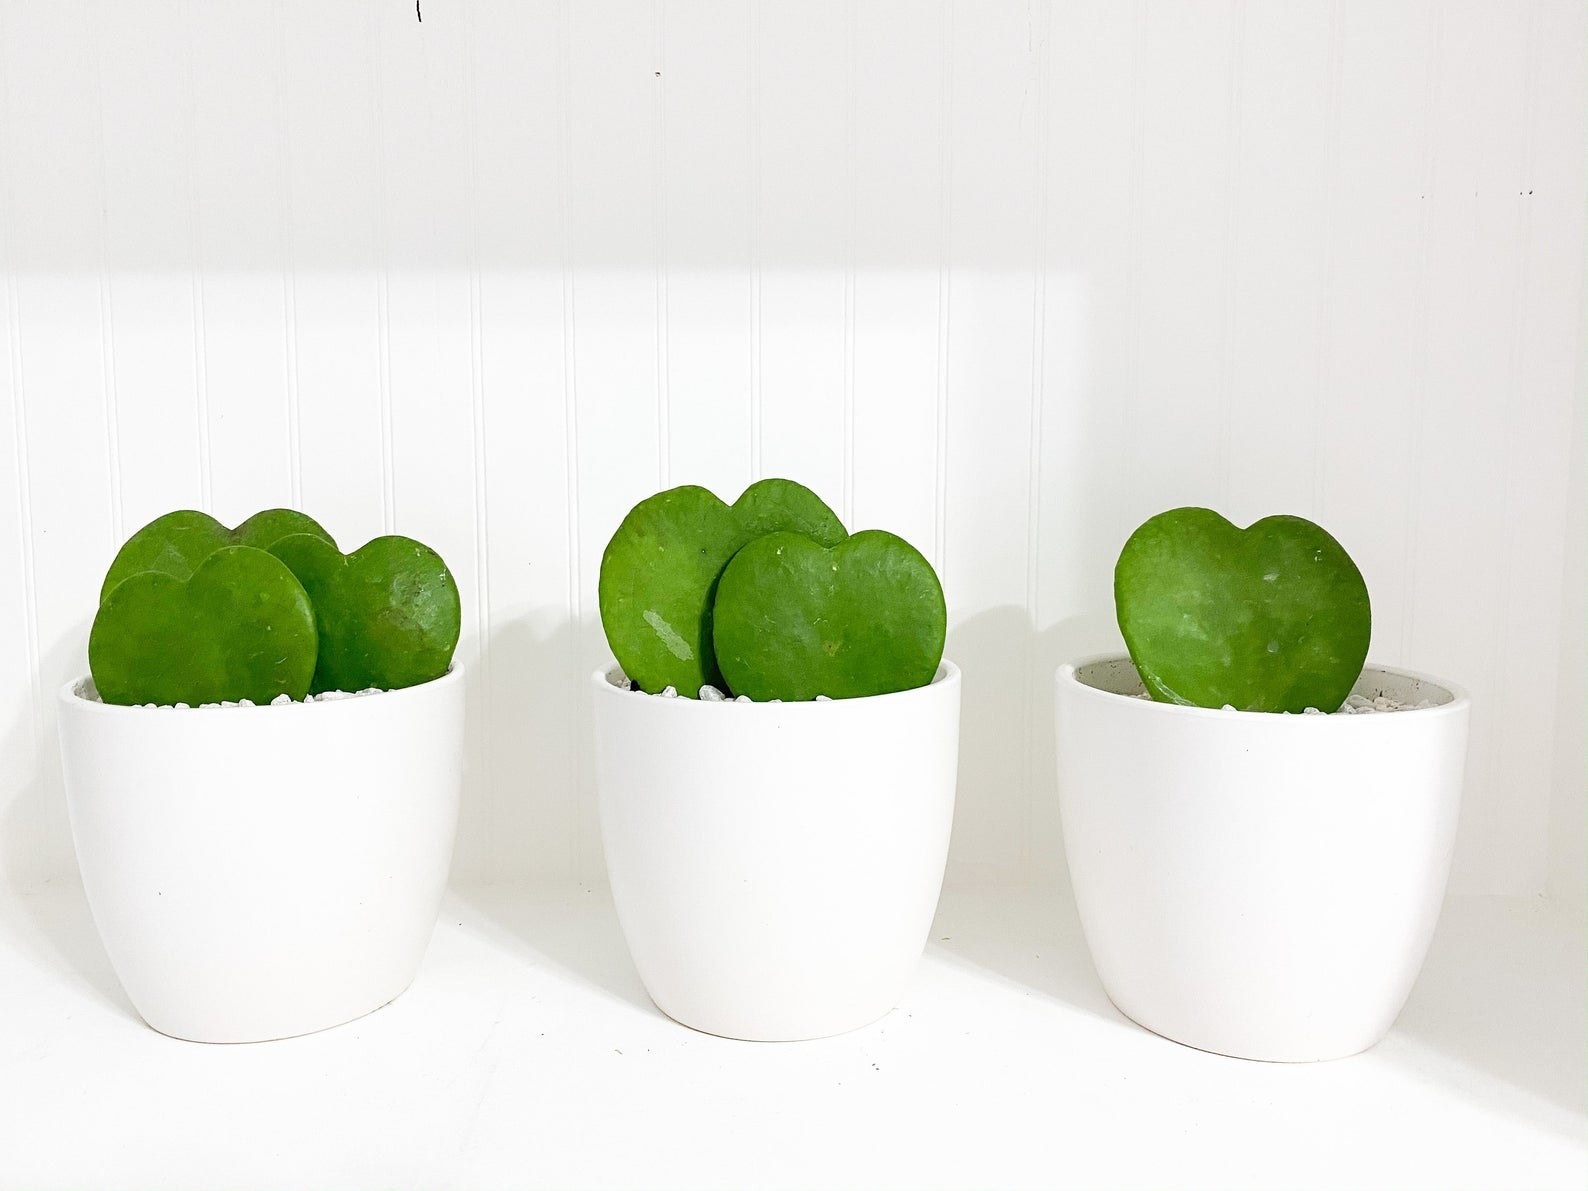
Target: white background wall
{"x": 1005, "y": 278}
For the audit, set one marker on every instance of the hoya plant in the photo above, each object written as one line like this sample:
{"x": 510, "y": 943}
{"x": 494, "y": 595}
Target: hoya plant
{"x": 193, "y": 612}
{"x": 1274, "y": 617}
{"x": 769, "y": 597}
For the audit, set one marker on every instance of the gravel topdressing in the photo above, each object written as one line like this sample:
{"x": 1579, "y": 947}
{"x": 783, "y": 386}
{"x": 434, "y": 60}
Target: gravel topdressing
{"x": 1354, "y": 705}
{"x": 278, "y": 701}
{"x": 1362, "y": 705}
{"x": 708, "y": 693}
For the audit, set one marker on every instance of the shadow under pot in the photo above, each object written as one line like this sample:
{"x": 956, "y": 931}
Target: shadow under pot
{"x": 263, "y": 872}
{"x": 776, "y": 866}
{"x": 1256, "y": 884}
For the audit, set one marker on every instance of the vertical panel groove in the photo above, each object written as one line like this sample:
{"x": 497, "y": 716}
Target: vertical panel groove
{"x": 388, "y": 477}
{"x": 570, "y": 390}
{"x": 201, "y": 392}
{"x": 201, "y": 395}
{"x": 944, "y": 292}
{"x": 482, "y": 506}
{"x": 1039, "y": 321}
{"x": 570, "y": 358}
{"x": 1323, "y": 387}
{"x": 1134, "y": 235}
{"x": 289, "y": 318}
{"x": 1229, "y": 296}
{"x": 756, "y": 109}
{"x": 851, "y": 117}
{"x": 28, "y": 575}
{"x": 289, "y": 266}
{"x": 107, "y": 334}
{"x": 664, "y": 436}
{"x": 1421, "y": 326}
{"x": 19, "y": 424}
{"x": 1521, "y": 291}
{"x": 107, "y": 337}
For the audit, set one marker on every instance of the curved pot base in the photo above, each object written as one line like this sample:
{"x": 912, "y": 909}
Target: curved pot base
{"x": 1245, "y": 1053}
{"x": 264, "y": 872}
{"x": 1252, "y": 884}
{"x": 276, "y": 1034}
{"x": 809, "y": 1033}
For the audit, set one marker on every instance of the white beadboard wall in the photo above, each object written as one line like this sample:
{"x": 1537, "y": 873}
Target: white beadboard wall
{"x": 1006, "y": 278}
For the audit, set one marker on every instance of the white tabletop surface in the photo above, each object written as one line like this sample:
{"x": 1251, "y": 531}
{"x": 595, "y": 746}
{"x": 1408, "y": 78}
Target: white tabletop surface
{"x": 526, "y": 1055}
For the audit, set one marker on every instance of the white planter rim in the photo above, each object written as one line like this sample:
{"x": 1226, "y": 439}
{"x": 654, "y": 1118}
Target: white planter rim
{"x": 75, "y": 693}
{"x": 605, "y": 677}
{"x": 1456, "y": 701}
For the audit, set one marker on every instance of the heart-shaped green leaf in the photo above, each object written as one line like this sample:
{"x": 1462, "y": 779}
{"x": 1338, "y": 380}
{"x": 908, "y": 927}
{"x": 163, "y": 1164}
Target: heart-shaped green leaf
{"x": 388, "y": 613}
{"x": 1270, "y": 618}
{"x": 176, "y": 543}
{"x": 240, "y": 628}
{"x": 660, "y": 570}
{"x": 794, "y": 620}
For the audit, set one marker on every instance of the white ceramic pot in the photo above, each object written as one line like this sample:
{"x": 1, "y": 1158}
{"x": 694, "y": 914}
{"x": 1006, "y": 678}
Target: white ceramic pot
{"x": 776, "y": 866}
{"x": 1255, "y": 884}
{"x": 263, "y": 872}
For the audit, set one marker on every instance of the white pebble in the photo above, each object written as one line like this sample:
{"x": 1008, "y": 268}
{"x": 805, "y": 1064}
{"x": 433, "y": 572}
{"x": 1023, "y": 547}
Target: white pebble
{"x": 181, "y": 706}
{"x": 1355, "y": 704}
{"x": 823, "y": 699}
{"x": 710, "y": 694}
{"x": 1365, "y": 705}
{"x": 280, "y": 700}
{"x": 336, "y": 696}
{"x": 744, "y": 699}
{"x": 669, "y": 692}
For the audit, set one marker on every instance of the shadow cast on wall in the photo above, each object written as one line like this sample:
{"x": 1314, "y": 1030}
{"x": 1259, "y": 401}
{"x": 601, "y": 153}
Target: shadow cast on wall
{"x": 522, "y": 789}
{"x": 533, "y": 817}
{"x": 1006, "y": 814}
{"x": 1503, "y": 992}
{"x": 43, "y": 911}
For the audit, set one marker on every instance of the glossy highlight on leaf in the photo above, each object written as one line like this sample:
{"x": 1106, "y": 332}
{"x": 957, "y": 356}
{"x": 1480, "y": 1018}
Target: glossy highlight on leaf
{"x": 239, "y": 628}
{"x": 795, "y": 620}
{"x": 659, "y": 574}
{"x": 178, "y": 542}
{"x": 1274, "y": 617}
{"x": 388, "y": 614}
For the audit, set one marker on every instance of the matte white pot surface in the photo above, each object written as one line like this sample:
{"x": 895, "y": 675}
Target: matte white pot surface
{"x": 1254, "y": 884}
{"x": 776, "y": 866}
{"x": 263, "y": 872}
